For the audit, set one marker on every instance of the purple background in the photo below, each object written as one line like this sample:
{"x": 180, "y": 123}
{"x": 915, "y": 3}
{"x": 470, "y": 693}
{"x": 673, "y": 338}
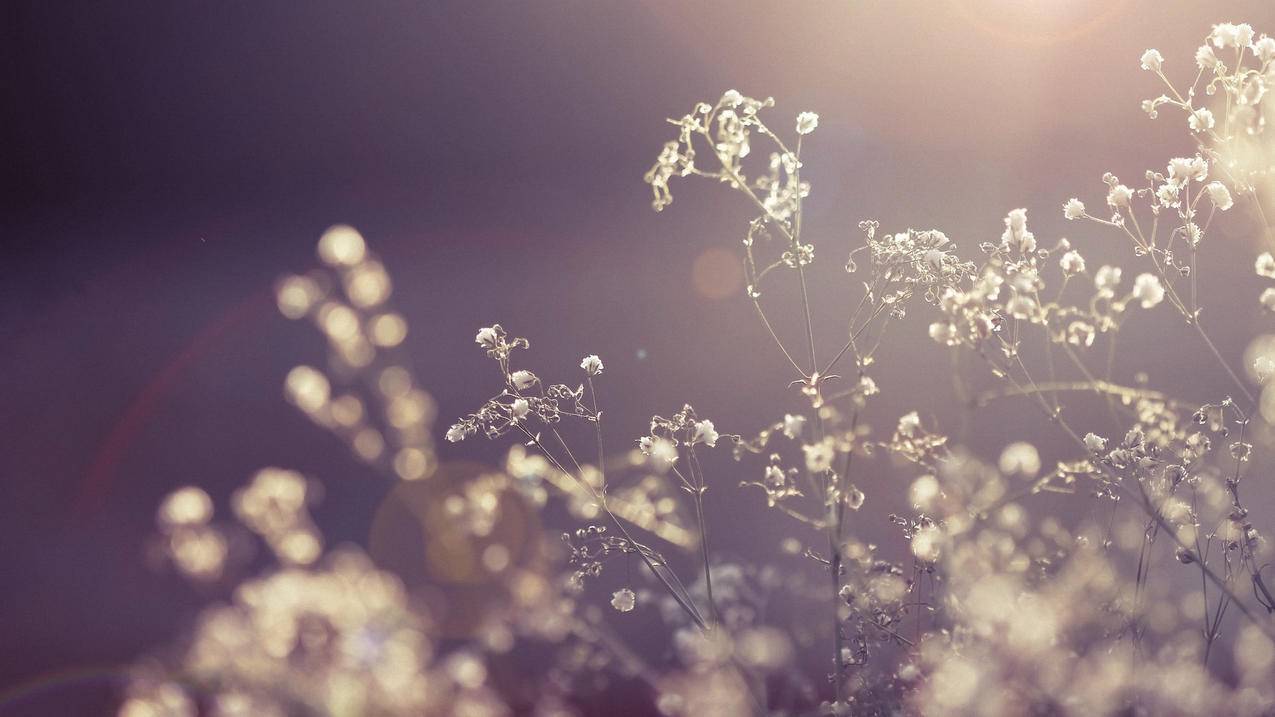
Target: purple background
{"x": 166, "y": 161}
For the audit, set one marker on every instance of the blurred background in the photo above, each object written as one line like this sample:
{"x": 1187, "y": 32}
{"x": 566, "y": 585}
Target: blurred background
{"x": 165, "y": 162}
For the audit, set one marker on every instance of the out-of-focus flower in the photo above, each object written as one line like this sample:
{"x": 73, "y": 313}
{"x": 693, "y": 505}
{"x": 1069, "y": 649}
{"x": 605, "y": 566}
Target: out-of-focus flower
{"x": 624, "y": 600}
{"x": 1072, "y": 262}
{"x": 1219, "y": 195}
{"x": 1268, "y": 299}
{"x": 793, "y": 425}
{"x": 819, "y": 456}
{"x": 1265, "y": 265}
{"x": 1148, "y": 290}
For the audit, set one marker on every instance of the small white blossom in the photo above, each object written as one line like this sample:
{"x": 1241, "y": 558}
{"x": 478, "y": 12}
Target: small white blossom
{"x": 1265, "y": 265}
{"x": 807, "y": 122}
{"x": 1020, "y": 458}
{"x": 1205, "y": 59}
{"x": 1072, "y": 262}
{"x": 456, "y": 433}
{"x": 944, "y": 333}
{"x": 1182, "y": 169}
{"x": 1264, "y": 48}
{"x": 624, "y": 600}
{"x": 523, "y": 380}
{"x": 1074, "y": 209}
{"x": 1229, "y": 35}
{"x": 909, "y": 424}
{"x": 661, "y": 451}
{"x": 793, "y": 425}
{"x": 1152, "y": 60}
{"x": 520, "y": 408}
{"x": 1148, "y": 290}
{"x": 705, "y": 433}
{"x": 1201, "y": 120}
{"x": 487, "y": 337}
{"x": 1219, "y": 195}
{"x": 592, "y": 365}
{"x": 1095, "y": 443}
{"x": 1119, "y": 196}
{"x": 1107, "y": 278}
{"x": 819, "y": 456}
{"x": 1268, "y": 299}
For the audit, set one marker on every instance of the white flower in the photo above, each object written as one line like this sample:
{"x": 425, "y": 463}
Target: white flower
{"x": 806, "y": 122}
{"x": 487, "y": 337}
{"x": 1265, "y": 265}
{"x": 591, "y": 364}
{"x": 1094, "y": 443}
{"x": 774, "y": 476}
{"x": 1205, "y": 59}
{"x": 456, "y": 433}
{"x": 1268, "y": 299}
{"x": 1074, "y": 209}
{"x": 523, "y": 380}
{"x": 1148, "y": 290}
{"x": 1182, "y": 169}
{"x": 819, "y": 456}
{"x": 1219, "y": 195}
{"x": 1072, "y": 262}
{"x": 1152, "y": 60}
{"x": 623, "y": 600}
{"x": 1021, "y": 306}
{"x": 909, "y": 424}
{"x": 661, "y": 451}
{"x": 705, "y": 433}
{"x": 1119, "y": 196}
{"x": 793, "y": 425}
{"x": 1228, "y": 35}
{"x": 519, "y": 408}
{"x": 1264, "y": 48}
{"x": 1200, "y": 120}
{"x": 1020, "y": 458}
{"x": 925, "y": 543}
{"x": 1107, "y": 279}
{"x": 732, "y": 98}
{"x": 943, "y": 333}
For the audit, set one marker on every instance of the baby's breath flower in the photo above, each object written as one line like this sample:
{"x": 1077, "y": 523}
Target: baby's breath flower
{"x": 1219, "y": 195}
{"x": 944, "y": 333}
{"x": 1148, "y": 290}
{"x": 909, "y": 424}
{"x": 624, "y": 600}
{"x": 592, "y": 365}
{"x": 1072, "y": 262}
{"x": 1074, "y": 209}
{"x": 1119, "y": 196}
{"x": 705, "y": 433}
{"x": 1095, "y": 443}
{"x": 456, "y": 433}
{"x": 1152, "y": 60}
{"x": 1201, "y": 120}
{"x": 807, "y": 122}
{"x": 1183, "y": 169}
{"x": 487, "y": 337}
{"x": 520, "y": 408}
{"x": 1268, "y": 299}
{"x": 819, "y": 456}
{"x": 793, "y": 425}
{"x": 523, "y": 380}
{"x": 1205, "y": 59}
{"x": 1264, "y": 48}
{"x": 1265, "y": 265}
